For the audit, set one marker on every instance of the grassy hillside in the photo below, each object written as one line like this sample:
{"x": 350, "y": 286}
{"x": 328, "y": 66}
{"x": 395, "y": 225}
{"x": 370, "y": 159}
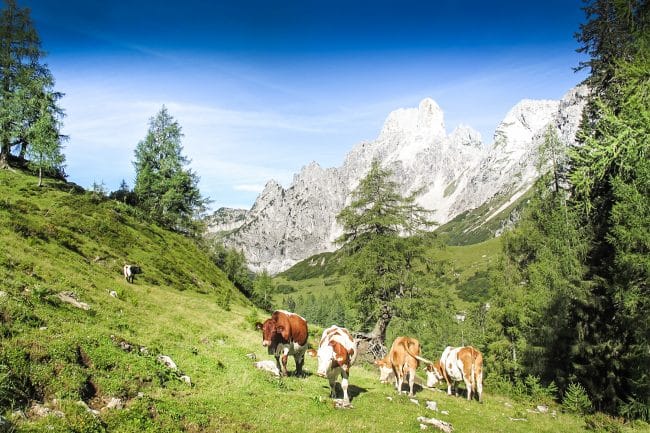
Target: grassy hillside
{"x": 54, "y": 355}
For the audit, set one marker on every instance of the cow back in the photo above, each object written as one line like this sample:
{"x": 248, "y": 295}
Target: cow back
{"x": 294, "y": 327}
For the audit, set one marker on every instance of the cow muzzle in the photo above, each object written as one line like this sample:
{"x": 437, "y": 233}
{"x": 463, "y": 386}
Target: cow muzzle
{"x": 266, "y": 343}
{"x": 321, "y": 374}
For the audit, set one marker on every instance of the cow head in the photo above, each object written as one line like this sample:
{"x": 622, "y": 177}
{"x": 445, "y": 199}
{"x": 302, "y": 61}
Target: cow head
{"x": 331, "y": 356}
{"x": 434, "y": 374}
{"x": 271, "y": 333}
{"x": 136, "y": 269}
{"x": 385, "y": 370}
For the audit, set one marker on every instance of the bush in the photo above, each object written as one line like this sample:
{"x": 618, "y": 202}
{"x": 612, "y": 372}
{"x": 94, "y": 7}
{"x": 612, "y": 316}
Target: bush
{"x": 601, "y": 423}
{"x": 576, "y": 400}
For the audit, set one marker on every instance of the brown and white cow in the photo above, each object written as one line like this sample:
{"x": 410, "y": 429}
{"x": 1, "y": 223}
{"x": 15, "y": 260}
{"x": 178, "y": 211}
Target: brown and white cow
{"x": 337, "y": 352}
{"x": 456, "y": 364}
{"x": 402, "y": 359}
{"x": 285, "y": 334}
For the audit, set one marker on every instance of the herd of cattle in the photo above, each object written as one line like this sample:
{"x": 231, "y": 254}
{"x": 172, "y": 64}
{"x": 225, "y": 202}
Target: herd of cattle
{"x": 285, "y": 334}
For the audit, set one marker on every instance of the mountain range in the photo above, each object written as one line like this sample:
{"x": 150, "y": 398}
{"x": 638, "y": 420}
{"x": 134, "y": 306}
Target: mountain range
{"x": 455, "y": 173}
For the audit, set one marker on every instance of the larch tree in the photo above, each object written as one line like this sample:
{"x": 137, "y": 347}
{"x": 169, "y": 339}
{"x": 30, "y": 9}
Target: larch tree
{"x": 383, "y": 237}
{"x": 165, "y": 189}
{"x": 29, "y": 114}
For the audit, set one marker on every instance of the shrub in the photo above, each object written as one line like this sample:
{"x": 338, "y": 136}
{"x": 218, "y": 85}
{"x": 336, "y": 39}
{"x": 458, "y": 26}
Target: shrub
{"x": 601, "y": 423}
{"x": 576, "y": 400}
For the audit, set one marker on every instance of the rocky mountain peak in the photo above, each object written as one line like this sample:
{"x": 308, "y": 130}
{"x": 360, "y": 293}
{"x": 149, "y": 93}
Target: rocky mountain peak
{"x": 454, "y": 173}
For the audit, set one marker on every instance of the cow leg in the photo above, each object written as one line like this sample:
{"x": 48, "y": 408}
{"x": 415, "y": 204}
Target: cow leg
{"x": 277, "y": 363}
{"x": 468, "y": 385}
{"x": 411, "y": 382}
{"x": 300, "y": 361}
{"x": 399, "y": 380}
{"x": 331, "y": 376}
{"x": 479, "y": 386}
{"x": 344, "y": 386}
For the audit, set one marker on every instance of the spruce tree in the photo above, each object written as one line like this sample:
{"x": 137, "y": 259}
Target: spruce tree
{"x": 165, "y": 189}
{"x": 29, "y": 115}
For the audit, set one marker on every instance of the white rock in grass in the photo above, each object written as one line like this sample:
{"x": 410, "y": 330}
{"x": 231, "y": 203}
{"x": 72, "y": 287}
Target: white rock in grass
{"x": 268, "y": 365}
{"x": 441, "y": 425}
{"x": 432, "y": 405}
{"x": 114, "y": 403}
{"x": 185, "y": 378}
{"x": 423, "y": 426}
{"x": 167, "y": 362}
{"x": 113, "y": 293}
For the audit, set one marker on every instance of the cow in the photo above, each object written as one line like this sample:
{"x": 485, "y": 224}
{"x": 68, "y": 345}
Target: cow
{"x": 130, "y": 271}
{"x": 336, "y": 353}
{"x": 402, "y": 359}
{"x": 285, "y": 334}
{"x": 456, "y": 364}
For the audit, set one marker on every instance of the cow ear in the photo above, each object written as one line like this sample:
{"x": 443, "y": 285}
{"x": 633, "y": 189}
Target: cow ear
{"x": 258, "y": 326}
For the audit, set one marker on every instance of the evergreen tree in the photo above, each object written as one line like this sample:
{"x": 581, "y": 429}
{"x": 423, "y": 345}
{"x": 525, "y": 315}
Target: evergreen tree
{"x": 611, "y": 179}
{"x": 263, "y": 288}
{"x": 29, "y": 115}
{"x": 165, "y": 189}
{"x": 384, "y": 242}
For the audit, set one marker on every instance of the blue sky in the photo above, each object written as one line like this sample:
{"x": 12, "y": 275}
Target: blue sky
{"x": 262, "y": 88}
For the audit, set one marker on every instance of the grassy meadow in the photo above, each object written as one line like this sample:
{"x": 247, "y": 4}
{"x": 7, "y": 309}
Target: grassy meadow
{"x": 60, "y": 238}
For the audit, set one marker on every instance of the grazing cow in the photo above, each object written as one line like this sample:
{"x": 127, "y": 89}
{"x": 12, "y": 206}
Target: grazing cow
{"x": 402, "y": 359}
{"x": 130, "y": 271}
{"x": 285, "y": 334}
{"x": 456, "y": 364}
{"x": 337, "y": 351}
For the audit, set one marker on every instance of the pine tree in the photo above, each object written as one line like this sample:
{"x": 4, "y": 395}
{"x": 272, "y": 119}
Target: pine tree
{"x": 29, "y": 115}
{"x": 384, "y": 242}
{"x": 165, "y": 189}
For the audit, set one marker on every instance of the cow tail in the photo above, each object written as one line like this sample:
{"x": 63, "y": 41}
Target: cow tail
{"x": 472, "y": 379}
{"x": 419, "y": 358}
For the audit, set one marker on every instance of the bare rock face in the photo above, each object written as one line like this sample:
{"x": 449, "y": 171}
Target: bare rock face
{"x": 455, "y": 172}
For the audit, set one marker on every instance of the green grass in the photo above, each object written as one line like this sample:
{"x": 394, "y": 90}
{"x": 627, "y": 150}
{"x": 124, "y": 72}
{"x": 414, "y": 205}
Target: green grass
{"x": 59, "y": 238}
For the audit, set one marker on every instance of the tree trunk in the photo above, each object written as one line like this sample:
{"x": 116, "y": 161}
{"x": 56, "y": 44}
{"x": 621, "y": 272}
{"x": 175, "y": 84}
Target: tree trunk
{"x": 40, "y": 177}
{"x": 379, "y": 331}
{"x": 4, "y": 157}
{"x": 374, "y": 343}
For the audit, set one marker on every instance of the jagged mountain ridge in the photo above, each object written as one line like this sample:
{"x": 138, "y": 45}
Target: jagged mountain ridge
{"x": 456, "y": 172}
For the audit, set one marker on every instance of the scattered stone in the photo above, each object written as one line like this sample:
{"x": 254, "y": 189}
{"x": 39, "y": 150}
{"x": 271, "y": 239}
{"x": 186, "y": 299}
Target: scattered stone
{"x": 43, "y": 328}
{"x": 88, "y": 409}
{"x": 423, "y": 426}
{"x": 268, "y": 365}
{"x": 342, "y": 404}
{"x": 506, "y": 404}
{"x": 3, "y": 294}
{"x": 167, "y": 362}
{"x": 125, "y": 346}
{"x": 444, "y": 412}
{"x": 251, "y": 356}
{"x": 389, "y": 398}
{"x": 432, "y": 405}
{"x": 140, "y": 394}
{"x": 542, "y": 408}
{"x": 441, "y": 425}
{"x": 113, "y": 293}
{"x": 517, "y": 419}
{"x": 72, "y": 299}
{"x": 40, "y": 411}
{"x": 185, "y": 378}
{"x": 114, "y": 403}
{"x": 414, "y": 401}
{"x": 144, "y": 350}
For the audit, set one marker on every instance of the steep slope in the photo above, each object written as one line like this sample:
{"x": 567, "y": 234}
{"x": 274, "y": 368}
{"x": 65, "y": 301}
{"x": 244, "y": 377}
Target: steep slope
{"x": 454, "y": 172}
